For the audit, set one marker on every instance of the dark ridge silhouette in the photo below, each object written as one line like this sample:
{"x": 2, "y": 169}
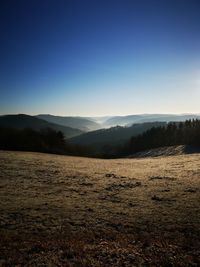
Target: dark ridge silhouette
{"x": 22, "y": 121}
{"x": 45, "y": 140}
{"x": 80, "y": 123}
{"x": 112, "y": 136}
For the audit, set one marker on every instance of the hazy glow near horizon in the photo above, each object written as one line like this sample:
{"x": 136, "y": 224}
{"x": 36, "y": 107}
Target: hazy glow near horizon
{"x": 96, "y": 58}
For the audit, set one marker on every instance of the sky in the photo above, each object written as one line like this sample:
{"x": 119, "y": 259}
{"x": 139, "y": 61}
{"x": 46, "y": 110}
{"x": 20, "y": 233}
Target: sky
{"x": 99, "y": 57}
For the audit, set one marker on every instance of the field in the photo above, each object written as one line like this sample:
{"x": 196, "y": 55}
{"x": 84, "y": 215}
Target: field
{"x": 71, "y": 211}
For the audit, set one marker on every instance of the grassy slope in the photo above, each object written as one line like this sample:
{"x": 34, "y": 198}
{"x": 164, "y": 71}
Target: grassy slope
{"x": 70, "y": 211}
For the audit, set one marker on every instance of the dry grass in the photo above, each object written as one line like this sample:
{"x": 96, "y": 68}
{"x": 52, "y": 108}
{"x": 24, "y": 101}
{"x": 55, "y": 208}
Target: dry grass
{"x": 70, "y": 211}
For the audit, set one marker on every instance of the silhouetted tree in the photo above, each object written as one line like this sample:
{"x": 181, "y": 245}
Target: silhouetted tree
{"x": 183, "y": 133}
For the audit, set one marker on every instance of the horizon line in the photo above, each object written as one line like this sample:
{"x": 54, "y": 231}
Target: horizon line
{"x": 92, "y": 116}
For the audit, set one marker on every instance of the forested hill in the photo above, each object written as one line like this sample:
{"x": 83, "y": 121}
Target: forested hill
{"x": 22, "y": 121}
{"x": 113, "y": 136}
{"x": 182, "y": 133}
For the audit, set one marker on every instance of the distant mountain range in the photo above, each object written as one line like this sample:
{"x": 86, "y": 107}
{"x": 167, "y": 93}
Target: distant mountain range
{"x": 88, "y": 124}
{"x": 81, "y": 123}
{"x": 22, "y": 121}
{"x": 130, "y": 119}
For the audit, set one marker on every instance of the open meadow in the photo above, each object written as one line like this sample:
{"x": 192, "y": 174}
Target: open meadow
{"x": 72, "y": 211}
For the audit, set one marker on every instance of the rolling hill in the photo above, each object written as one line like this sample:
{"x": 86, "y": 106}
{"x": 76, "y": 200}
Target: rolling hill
{"x": 113, "y": 136}
{"x": 22, "y": 121}
{"x": 80, "y": 123}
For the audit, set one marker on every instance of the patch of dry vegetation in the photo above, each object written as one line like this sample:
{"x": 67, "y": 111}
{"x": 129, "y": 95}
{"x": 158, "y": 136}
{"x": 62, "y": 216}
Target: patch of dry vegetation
{"x": 71, "y": 211}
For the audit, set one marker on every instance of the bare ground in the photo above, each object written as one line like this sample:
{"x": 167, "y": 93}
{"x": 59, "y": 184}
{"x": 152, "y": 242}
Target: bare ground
{"x": 71, "y": 211}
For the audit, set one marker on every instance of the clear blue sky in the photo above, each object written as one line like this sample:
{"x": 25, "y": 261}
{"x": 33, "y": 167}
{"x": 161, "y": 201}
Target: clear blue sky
{"x": 99, "y": 57}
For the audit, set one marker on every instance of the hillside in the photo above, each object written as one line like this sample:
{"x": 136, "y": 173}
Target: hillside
{"x": 166, "y": 151}
{"x": 113, "y": 136}
{"x": 80, "y": 123}
{"x": 22, "y": 121}
{"x": 71, "y": 211}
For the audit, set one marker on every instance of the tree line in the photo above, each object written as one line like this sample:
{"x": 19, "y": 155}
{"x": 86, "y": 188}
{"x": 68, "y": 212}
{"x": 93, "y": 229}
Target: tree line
{"x": 174, "y": 133}
{"x": 46, "y": 140}
{"x": 52, "y": 141}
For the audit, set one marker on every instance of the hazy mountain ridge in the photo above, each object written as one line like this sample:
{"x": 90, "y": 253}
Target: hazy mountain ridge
{"x": 141, "y": 118}
{"x": 101, "y": 122}
{"x": 22, "y": 121}
{"x": 87, "y": 124}
{"x": 81, "y": 123}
